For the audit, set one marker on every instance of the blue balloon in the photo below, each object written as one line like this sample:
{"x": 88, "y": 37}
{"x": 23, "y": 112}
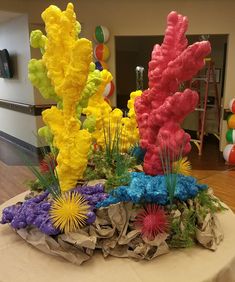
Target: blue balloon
{"x": 98, "y": 66}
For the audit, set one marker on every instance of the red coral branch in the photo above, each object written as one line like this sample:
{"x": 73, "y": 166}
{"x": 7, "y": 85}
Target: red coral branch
{"x": 161, "y": 109}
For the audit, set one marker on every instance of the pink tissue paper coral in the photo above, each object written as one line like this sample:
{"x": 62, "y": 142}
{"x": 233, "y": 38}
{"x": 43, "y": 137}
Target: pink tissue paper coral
{"x": 161, "y": 108}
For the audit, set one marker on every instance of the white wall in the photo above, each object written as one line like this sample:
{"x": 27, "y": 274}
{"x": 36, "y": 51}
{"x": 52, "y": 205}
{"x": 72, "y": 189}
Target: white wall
{"x": 14, "y": 36}
{"x": 19, "y": 125}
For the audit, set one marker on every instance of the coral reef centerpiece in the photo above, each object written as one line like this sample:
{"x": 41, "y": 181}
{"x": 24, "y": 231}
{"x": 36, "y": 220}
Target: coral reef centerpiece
{"x": 117, "y": 183}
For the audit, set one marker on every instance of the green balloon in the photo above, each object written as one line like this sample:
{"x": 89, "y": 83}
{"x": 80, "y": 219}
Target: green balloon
{"x": 230, "y": 136}
{"x": 99, "y": 35}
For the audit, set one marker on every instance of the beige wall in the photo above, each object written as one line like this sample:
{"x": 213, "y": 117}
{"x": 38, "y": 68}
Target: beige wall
{"x": 138, "y": 17}
{"x": 14, "y": 36}
{"x": 19, "y": 125}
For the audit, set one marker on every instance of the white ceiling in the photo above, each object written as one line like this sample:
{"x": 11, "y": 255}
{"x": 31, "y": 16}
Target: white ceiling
{"x": 6, "y": 16}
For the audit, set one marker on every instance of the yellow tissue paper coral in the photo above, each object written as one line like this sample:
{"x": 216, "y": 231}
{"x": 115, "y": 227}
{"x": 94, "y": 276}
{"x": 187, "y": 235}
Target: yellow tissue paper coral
{"x": 130, "y": 132}
{"x": 73, "y": 145}
{"x": 98, "y": 109}
{"x": 111, "y": 123}
{"x": 97, "y": 106}
{"x": 38, "y": 40}
{"x": 92, "y": 85}
{"x": 68, "y": 61}
{"x": 38, "y": 77}
{"x": 66, "y": 74}
{"x": 66, "y": 58}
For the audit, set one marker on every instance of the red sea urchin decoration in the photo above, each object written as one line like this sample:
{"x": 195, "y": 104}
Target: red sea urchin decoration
{"x": 152, "y": 220}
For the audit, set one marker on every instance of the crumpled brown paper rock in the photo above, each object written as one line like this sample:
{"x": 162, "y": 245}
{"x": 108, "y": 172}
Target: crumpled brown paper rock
{"x": 112, "y": 232}
{"x": 49, "y": 245}
{"x": 210, "y": 234}
{"x": 208, "y": 231}
{"x": 117, "y": 237}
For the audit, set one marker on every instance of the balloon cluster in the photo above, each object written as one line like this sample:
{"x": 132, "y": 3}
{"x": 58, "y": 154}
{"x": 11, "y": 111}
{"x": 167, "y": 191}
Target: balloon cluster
{"x": 101, "y": 54}
{"x": 161, "y": 108}
{"x": 101, "y": 50}
{"x": 229, "y": 150}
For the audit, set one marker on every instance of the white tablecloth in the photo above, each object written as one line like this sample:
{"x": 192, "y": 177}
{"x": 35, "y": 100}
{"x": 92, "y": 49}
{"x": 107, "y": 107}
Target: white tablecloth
{"x": 20, "y": 262}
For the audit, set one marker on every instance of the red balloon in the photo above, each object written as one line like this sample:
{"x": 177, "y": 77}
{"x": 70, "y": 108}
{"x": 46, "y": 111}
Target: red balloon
{"x": 231, "y": 159}
{"x": 107, "y": 100}
{"x": 232, "y": 105}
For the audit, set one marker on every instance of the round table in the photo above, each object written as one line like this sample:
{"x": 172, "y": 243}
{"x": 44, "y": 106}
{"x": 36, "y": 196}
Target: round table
{"x": 20, "y": 262}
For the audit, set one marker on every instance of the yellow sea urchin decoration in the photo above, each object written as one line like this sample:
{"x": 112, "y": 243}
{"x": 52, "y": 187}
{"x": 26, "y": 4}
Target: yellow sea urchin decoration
{"x": 69, "y": 212}
{"x": 182, "y": 166}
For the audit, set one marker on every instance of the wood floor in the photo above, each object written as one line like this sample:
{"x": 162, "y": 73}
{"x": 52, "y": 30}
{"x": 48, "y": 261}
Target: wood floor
{"x": 13, "y": 180}
{"x": 209, "y": 169}
{"x": 222, "y": 183}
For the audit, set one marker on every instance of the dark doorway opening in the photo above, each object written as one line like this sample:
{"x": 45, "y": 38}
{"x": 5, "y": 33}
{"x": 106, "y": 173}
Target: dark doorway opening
{"x": 133, "y": 51}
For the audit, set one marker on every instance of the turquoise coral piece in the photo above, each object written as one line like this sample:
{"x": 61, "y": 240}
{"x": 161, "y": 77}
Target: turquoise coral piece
{"x": 152, "y": 189}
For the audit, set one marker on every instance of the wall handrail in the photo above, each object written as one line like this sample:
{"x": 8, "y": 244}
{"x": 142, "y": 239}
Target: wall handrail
{"x": 34, "y": 110}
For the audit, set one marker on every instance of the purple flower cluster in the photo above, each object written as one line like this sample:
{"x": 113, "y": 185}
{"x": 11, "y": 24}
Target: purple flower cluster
{"x": 32, "y": 212}
{"x": 35, "y": 211}
{"x": 93, "y": 194}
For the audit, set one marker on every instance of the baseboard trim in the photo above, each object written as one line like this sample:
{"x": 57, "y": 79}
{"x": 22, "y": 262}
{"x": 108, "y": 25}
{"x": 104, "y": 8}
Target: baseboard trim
{"x": 22, "y": 144}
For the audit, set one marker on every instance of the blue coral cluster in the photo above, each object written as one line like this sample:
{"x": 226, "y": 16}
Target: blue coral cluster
{"x": 152, "y": 189}
{"x": 32, "y": 212}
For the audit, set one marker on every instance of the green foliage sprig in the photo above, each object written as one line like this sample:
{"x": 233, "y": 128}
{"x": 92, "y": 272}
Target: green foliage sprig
{"x": 45, "y": 181}
{"x": 168, "y": 157}
{"x": 110, "y": 163}
{"x": 192, "y": 214}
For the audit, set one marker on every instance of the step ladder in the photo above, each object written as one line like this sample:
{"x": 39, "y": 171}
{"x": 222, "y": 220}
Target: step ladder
{"x": 209, "y": 80}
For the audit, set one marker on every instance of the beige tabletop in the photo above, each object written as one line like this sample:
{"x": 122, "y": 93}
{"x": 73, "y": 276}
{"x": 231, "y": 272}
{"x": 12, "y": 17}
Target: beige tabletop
{"x": 20, "y": 262}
